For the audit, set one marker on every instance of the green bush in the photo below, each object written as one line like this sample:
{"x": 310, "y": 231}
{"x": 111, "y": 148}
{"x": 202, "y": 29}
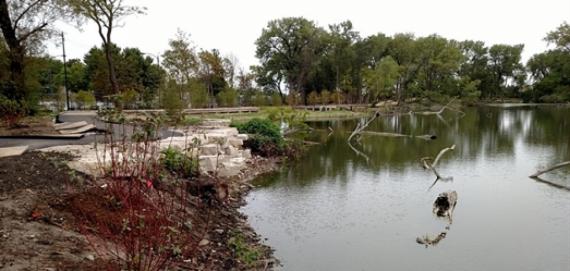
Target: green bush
{"x": 11, "y": 111}
{"x": 178, "y": 162}
{"x": 85, "y": 99}
{"x": 227, "y": 98}
{"x": 198, "y": 95}
{"x": 265, "y": 137}
{"x": 263, "y": 127}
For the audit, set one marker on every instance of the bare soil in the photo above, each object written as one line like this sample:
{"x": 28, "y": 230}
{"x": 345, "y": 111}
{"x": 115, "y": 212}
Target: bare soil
{"x": 39, "y": 229}
{"x": 37, "y": 125}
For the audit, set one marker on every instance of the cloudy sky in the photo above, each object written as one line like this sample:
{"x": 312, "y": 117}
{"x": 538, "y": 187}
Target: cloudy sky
{"x": 233, "y": 26}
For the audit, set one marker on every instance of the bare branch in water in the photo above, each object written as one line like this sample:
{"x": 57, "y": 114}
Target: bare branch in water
{"x": 557, "y": 166}
{"x": 359, "y": 153}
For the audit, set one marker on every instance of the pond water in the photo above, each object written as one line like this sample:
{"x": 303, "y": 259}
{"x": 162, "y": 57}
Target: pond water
{"x": 336, "y": 210}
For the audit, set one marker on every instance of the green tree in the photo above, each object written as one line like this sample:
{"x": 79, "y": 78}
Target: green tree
{"x": 289, "y": 48}
{"x": 227, "y": 97}
{"x": 550, "y": 70}
{"x": 181, "y": 62}
{"x": 438, "y": 61}
{"x": 198, "y": 94}
{"x": 25, "y": 25}
{"x": 106, "y": 14}
{"x": 211, "y": 72}
{"x": 135, "y": 71}
{"x": 560, "y": 37}
{"x": 506, "y": 68}
{"x": 381, "y": 80}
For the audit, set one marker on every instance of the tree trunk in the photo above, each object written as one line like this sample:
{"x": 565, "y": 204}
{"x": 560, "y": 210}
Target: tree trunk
{"x": 17, "y": 87}
{"x": 18, "y": 78}
{"x": 111, "y": 67}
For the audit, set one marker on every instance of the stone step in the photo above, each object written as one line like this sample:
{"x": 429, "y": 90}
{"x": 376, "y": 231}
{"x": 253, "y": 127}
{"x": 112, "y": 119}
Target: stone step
{"x": 13, "y": 151}
{"x": 79, "y": 130}
{"x": 69, "y": 125}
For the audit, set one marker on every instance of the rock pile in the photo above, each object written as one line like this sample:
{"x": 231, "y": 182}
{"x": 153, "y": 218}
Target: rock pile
{"x": 217, "y": 146}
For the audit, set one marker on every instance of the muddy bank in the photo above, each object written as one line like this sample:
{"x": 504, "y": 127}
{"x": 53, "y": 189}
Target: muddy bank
{"x": 39, "y": 230}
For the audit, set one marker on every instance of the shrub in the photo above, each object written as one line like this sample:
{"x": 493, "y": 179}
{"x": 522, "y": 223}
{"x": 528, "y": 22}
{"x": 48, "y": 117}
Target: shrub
{"x": 313, "y": 98}
{"x": 198, "y": 95}
{"x": 85, "y": 99}
{"x": 266, "y": 139}
{"x": 293, "y": 98}
{"x": 227, "y": 98}
{"x": 325, "y": 97}
{"x": 263, "y": 127}
{"x": 337, "y": 97}
{"x": 129, "y": 98}
{"x": 172, "y": 102}
{"x": 259, "y": 99}
{"x": 276, "y": 99}
{"x": 11, "y": 111}
{"x": 178, "y": 162}
{"x": 136, "y": 218}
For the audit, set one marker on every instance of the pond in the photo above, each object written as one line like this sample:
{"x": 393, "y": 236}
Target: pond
{"x": 336, "y": 210}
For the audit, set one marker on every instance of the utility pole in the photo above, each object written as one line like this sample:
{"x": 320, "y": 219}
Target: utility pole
{"x": 65, "y": 71}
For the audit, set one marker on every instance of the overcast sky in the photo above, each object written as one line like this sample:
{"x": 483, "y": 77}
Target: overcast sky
{"x": 233, "y": 26}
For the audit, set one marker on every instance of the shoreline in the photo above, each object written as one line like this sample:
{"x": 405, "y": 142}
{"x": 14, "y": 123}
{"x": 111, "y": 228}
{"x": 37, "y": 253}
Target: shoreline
{"x": 226, "y": 235}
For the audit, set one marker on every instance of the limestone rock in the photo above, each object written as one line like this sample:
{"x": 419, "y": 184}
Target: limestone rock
{"x": 208, "y": 163}
{"x": 236, "y": 142}
{"x": 209, "y": 149}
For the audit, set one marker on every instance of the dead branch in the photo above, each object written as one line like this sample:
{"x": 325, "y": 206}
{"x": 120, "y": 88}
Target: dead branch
{"x": 424, "y": 137}
{"x": 360, "y": 127}
{"x": 359, "y": 153}
{"x": 559, "y": 186}
{"x": 441, "y": 110}
{"x": 557, "y": 166}
{"x": 441, "y": 153}
{"x": 428, "y": 165}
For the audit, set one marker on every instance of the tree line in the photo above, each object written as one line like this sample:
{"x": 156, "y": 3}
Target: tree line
{"x": 299, "y": 63}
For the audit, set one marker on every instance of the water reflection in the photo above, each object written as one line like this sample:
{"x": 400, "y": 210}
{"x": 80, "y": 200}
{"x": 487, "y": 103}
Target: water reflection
{"x": 334, "y": 210}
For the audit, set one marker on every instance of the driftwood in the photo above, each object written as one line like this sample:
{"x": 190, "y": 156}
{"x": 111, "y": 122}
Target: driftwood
{"x": 444, "y": 205}
{"x": 441, "y": 110}
{"x": 359, "y": 153}
{"x": 557, "y": 166}
{"x": 360, "y": 127}
{"x": 427, "y": 165}
{"x": 431, "y": 241}
{"x": 424, "y": 137}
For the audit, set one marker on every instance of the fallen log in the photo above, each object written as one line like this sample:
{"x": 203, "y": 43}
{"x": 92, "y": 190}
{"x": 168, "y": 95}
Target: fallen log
{"x": 424, "y": 137}
{"x": 557, "y": 166}
{"x": 427, "y": 113}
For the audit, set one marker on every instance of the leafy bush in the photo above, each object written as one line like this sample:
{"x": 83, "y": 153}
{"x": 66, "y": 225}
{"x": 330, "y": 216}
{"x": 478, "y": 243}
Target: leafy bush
{"x": 11, "y": 111}
{"x": 313, "y": 98}
{"x": 85, "y": 99}
{"x": 227, "y": 98}
{"x": 171, "y": 101}
{"x": 198, "y": 95}
{"x": 266, "y": 139}
{"x": 178, "y": 162}
{"x": 129, "y": 98}
{"x": 263, "y": 127}
{"x": 276, "y": 99}
{"x": 337, "y": 97}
